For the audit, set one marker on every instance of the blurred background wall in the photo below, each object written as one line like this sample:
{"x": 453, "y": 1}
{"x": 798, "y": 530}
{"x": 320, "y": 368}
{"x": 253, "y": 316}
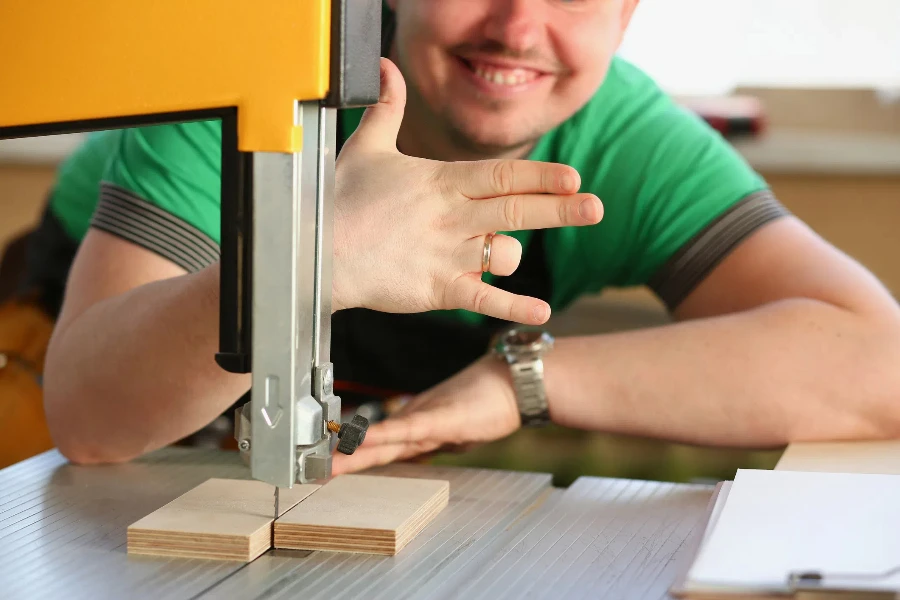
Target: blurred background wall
{"x": 825, "y": 76}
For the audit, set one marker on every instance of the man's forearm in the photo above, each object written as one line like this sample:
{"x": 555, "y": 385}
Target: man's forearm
{"x": 787, "y": 371}
{"x": 137, "y": 371}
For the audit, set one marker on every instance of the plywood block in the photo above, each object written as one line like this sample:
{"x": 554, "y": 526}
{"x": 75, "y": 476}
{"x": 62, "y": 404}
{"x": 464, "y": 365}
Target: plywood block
{"x": 878, "y": 457}
{"x": 370, "y": 514}
{"x": 228, "y": 519}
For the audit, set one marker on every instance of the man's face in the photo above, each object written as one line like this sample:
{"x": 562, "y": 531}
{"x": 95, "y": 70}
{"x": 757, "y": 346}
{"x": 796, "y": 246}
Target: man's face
{"x": 501, "y": 73}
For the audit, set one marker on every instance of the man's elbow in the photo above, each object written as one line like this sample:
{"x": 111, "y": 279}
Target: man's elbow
{"x": 81, "y": 450}
{"x": 887, "y": 382}
{"x": 79, "y": 453}
{"x": 872, "y": 390}
{"x": 73, "y": 438}
{"x": 850, "y": 390}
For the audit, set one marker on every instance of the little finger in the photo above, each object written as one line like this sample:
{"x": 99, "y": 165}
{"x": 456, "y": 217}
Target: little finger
{"x": 470, "y": 293}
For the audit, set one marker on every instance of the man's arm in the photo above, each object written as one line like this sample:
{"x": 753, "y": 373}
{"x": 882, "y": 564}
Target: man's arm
{"x": 787, "y": 339}
{"x": 131, "y": 363}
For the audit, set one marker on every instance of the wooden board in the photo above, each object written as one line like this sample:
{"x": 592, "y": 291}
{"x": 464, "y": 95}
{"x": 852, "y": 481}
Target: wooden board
{"x": 227, "y": 519}
{"x": 881, "y": 457}
{"x": 370, "y": 514}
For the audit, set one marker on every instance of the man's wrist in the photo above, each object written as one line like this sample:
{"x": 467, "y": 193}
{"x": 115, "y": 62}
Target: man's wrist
{"x": 576, "y": 386}
{"x": 520, "y": 350}
{"x": 340, "y": 300}
{"x": 498, "y": 369}
{"x": 552, "y": 384}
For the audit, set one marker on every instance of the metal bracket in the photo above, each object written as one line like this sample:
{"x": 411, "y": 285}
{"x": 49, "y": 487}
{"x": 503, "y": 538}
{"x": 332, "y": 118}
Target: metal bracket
{"x": 323, "y": 390}
{"x": 243, "y": 431}
{"x": 314, "y": 462}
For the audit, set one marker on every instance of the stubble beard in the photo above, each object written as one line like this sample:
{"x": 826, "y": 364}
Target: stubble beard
{"x": 485, "y": 144}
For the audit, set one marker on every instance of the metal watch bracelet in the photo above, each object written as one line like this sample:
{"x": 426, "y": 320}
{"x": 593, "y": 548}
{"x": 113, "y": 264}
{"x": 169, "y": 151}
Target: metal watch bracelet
{"x": 528, "y": 381}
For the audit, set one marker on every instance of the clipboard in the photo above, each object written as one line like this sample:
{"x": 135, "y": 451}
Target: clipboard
{"x": 801, "y": 584}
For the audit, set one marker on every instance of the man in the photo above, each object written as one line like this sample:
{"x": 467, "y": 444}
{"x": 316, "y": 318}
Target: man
{"x": 779, "y": 337}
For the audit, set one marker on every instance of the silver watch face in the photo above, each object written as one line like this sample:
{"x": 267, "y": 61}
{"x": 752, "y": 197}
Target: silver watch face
{"x": 524, "y": 339}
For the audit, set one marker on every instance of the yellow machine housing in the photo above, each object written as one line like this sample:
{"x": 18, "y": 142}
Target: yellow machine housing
{"x": 73, "y": 62}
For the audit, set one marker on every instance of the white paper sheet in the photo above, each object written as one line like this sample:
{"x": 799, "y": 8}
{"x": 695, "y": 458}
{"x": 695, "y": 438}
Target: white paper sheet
{"x": 721, "y": 499}
{"x": 777, "y": 522}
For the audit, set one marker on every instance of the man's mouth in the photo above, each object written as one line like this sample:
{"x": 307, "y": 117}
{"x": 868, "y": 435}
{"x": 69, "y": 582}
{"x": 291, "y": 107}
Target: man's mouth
{"x": 501, "y": 74}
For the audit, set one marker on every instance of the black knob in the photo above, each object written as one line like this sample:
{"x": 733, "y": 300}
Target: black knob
{"x": 352, "y": 434}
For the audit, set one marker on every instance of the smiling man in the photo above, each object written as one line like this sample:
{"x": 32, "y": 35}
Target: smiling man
{"x": 779, "y": 336}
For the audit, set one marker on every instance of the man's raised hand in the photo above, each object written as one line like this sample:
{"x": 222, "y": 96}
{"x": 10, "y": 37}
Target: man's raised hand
{"x": 410, "y": 233}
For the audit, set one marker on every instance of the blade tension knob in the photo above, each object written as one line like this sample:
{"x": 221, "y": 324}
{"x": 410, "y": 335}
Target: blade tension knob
{"x": 351, "y": 435}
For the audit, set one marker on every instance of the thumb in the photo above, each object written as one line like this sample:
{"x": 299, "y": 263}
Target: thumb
{"x": 381, "y": 122}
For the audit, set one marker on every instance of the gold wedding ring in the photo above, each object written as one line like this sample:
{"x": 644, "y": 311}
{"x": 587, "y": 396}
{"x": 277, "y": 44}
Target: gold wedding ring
{"x": 486, "y": 253}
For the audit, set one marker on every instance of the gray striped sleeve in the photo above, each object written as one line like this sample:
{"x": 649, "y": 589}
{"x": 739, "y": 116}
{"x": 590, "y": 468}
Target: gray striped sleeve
{"x": 123, "y": 213}
{"x": 696, "y": 259}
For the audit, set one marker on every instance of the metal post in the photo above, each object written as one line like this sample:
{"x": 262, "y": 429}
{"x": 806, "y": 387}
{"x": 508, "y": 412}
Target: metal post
{"x": 285, "y": 415}
{"x": 323, "y": 375}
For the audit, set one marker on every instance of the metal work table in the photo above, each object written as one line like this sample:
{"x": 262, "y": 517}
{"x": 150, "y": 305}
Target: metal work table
{"x": 504, "y": 534}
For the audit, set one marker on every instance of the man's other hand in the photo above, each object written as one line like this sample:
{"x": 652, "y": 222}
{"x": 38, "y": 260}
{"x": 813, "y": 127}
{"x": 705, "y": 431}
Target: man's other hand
{"x": 475, "y": 406}
{"x": 409, "y": 233}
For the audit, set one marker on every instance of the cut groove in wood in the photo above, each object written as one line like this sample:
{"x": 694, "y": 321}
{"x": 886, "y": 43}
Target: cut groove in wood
{"x": 225, "y": 519}
{"x": 363, "y": 513}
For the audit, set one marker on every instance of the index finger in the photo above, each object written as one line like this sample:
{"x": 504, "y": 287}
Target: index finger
{"x": 406, "y": 428}
{"x": 491, "y": 178}
{"x": 366, "y": 458}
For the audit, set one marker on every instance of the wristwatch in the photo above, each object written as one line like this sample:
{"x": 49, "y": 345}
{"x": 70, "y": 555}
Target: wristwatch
{"x": 523, "y": 348}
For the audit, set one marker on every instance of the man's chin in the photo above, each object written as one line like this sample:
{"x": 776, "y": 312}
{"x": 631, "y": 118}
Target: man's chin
{"x": 488, "y": 140}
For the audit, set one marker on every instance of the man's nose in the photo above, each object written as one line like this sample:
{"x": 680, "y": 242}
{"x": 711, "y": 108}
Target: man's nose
{"x": 517, "y": 24}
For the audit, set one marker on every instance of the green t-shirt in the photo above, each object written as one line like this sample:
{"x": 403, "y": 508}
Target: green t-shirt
{"x": 676, "y": 195}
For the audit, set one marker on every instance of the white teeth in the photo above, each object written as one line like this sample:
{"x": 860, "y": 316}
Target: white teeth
{"x": 515, "y": 77}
